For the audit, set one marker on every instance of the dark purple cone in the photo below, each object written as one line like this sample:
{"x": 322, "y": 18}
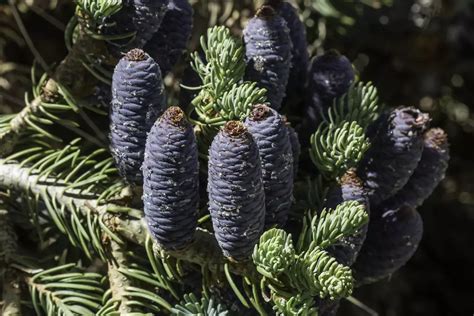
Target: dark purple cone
{"x": 350, "y": 188}
{"x": 329, "y": 77}
{"x": 268, "y": 53}
{"x": 428, "y": 174}
{"x": 236, "y": 195}
{"x": 137, "y": 101}
{"x": 141, "y": 16}
{"x": 299, "y": 51}
{"x": 392, "y": 239}
{"x": 170, "y": 180}
{"x": 295, "y": 147}
{"x": 394, "y": 153}
{"x": 271, "y": 135}
{"x": 171, "y": 41}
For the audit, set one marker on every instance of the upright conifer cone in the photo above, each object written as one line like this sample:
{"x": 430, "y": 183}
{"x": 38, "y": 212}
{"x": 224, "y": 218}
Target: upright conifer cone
{"x": 271, "y": 134}
{"x": 268, "y": 53}
{"x": 137, "y": 101}
{"x": 170, "y": 42}
{"x": 350, "y": 188}
{"x": 171, "y": 176}
{"x": 392, "y": 239}
{"x": 299, "y": 51}
{"x": 428, "y": 174}
{"x": 330, "y": 76}
{"x": 236, "y": 195}
{"x": 143, "y": 17}
{"x": 394, "y": 154}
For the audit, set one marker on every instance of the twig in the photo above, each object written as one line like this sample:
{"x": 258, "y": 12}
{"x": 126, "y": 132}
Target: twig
{"x": 8, "y": 247}
{"x": 118, "y": 281}
{"x": 9, "y": 138}
{"x": 204, "y": 251}
{"x": 11, "y": 294}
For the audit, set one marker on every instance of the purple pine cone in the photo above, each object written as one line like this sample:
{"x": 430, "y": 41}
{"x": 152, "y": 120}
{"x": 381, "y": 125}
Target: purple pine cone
{"x": 170, "y": 180}
{"x": 271, "y": 135}
{"x": 330, "y": 76}
{"x": 392, "y": 239}
{"x": 295, "y": 147}
{"x": 171, "y": 41}
{"x": 268, "y": 53}
{"x": 236, "y": 195}
{"x": 137, "y": 101}
{"x": 141, "y": 16}
{"x": 428, "y": 174}
{"x": 350, "y": 188}
{"x": 299, "y": 51}
{"x": 394, "y": 154}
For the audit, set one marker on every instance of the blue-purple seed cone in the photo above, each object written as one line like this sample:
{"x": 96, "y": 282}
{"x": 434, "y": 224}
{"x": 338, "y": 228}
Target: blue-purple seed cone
{"x": 170, "y": 42}
{"x": 235, "y": 187}
{"x": 428, "y": 174}
{"x": 394, "y": 154}
{"x": 137, "y": 101}
{"x": 350, "y": 188}
{"x": 392, "y": 239}
{"x": 269, "y": 130}
{"x": 170, "y": 181}
{"x": 268, "y": 53}
{"x": 299, "y": 51}
{"x": 143, "y": 17}
{"x": 329, "y": 77}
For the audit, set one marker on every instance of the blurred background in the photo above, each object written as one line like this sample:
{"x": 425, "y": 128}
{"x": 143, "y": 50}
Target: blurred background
{"x": 417, "y": 52}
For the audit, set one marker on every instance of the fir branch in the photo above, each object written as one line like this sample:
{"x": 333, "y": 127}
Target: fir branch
{"x": 223, "y": 96}
{"x": 330, "y": 226}
{"x": 191, "y": 305}
{"x": 274, "y": 253}
{"x": 316, "y": 272}
{"x": 11, "y": 305}
{"x": 11, "y": 130}
{"x": 118, "y": 223}
{"x": 8, "y": 241}
{"x": 65, "y": 290}
{"x": 118, "y": 281}
{"x": 69, "y": 79}
{"x": 360, "y": 104}
{"x": 11, "y": 296}
{"x": 335, "y": 148}
{"x": 298, "y": 304}
{"x": 97, "y": 10}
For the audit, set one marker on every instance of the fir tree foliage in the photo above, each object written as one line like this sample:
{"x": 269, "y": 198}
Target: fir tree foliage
{"x": 223, "y": 96}
{"x": 274, "y": 253}
{"x": 191, "y": 305}
{"x": 341, "y": 140}
{"x": 63, "y": 190}
{"x": 99, "y": 9}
